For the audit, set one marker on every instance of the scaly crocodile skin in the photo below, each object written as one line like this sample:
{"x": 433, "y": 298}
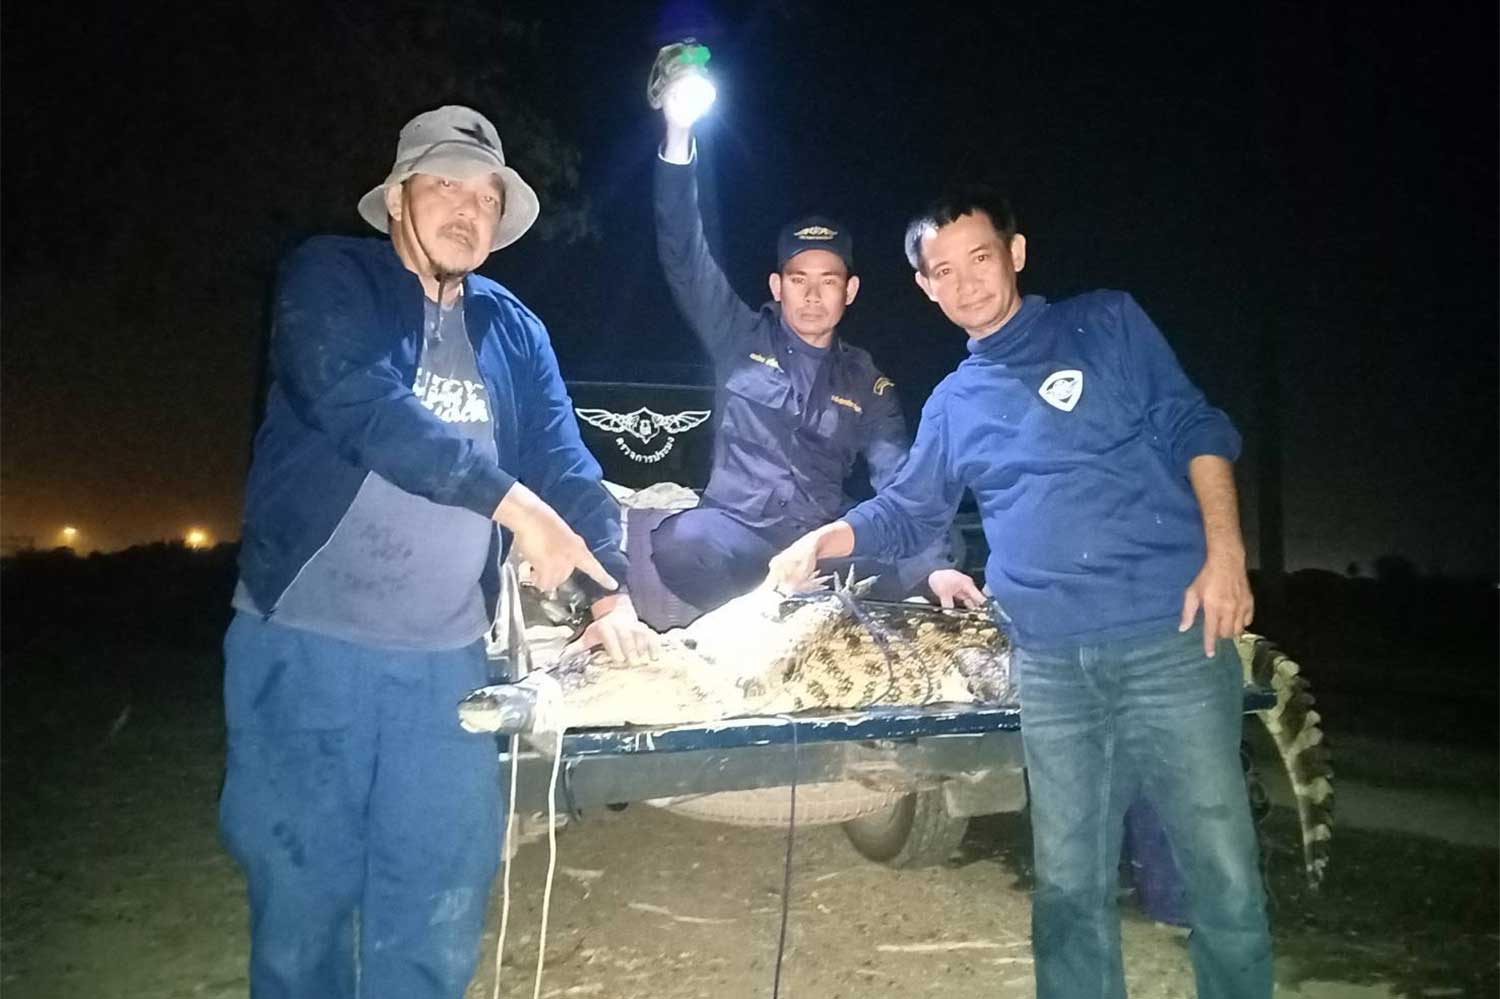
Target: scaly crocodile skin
{"x": 764, "y": 654}
{"x": 1296, "y": 730}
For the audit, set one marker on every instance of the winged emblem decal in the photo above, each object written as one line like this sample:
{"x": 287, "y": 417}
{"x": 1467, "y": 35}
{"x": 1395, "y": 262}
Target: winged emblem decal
{"x": 645, "y": 425}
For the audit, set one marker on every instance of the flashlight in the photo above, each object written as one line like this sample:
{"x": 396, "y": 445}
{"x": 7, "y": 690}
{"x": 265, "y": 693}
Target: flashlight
{"x": 681, "y": 73}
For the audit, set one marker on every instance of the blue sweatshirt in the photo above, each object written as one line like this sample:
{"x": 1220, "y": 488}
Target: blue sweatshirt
{"x": 1073, "y": 425}
{"x": 347, "y": 336}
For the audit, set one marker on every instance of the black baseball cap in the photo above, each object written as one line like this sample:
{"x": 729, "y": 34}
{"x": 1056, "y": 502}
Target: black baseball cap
{"x": 815, "y": 232}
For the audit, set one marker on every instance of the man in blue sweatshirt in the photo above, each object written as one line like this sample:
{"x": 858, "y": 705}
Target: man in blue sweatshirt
{"x": 1105, "y": 486}
{"x": 415, "y": 428}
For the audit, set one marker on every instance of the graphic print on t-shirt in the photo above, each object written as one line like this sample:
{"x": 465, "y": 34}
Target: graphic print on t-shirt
{"x": 448, "y": 381}
{"x": 452, "y": 400}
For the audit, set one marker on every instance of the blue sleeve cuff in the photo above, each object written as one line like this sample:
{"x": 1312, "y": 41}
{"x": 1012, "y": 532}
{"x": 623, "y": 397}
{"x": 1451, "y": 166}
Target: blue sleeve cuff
{"x": 864, "y": 532}
{"x": 692, "y": 154}
{"x": 483, "y": 489}
{"x": 1223, "y": 441}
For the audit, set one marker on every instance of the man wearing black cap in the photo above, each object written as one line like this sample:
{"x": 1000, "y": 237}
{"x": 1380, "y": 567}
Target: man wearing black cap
{"x": 796, "y": 404}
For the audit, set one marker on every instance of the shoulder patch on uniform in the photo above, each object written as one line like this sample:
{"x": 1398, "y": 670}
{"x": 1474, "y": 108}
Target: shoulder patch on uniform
{"x": 769, "y": 362}
{"x": 847, "y": 403}
{"x": 881, "y": 384}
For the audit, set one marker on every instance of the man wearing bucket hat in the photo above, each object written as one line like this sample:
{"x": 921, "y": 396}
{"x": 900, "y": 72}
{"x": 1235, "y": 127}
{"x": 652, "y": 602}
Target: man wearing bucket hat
{"x": 415, "y": 428}
{"x": 796, "y": 404}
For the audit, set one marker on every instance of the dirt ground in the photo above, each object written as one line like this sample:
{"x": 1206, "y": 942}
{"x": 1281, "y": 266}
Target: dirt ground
{"x": 114, "y": 884}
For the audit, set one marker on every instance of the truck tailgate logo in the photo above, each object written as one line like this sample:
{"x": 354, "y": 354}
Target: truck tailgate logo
{"x": 645, "y": 425}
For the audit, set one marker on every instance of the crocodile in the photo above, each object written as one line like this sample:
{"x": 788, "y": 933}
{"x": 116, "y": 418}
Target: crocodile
{"x": 767, "y": 654}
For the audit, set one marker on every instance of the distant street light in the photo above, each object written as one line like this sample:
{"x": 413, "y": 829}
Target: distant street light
{"x": 69, "y": 536}
{"x": 196, "y": 538}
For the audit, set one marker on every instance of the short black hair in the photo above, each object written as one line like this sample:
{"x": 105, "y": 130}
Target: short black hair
{"x": 954, "y": 202}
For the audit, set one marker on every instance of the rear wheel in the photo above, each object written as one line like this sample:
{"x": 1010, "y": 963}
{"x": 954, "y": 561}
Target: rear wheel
{"x": 916, "y": 831}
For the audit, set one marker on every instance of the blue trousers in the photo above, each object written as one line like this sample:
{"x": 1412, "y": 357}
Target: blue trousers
{"x": 1148, "y": 859}
{"x": 707, "y": 557}
{"x": 366, "y": 821}
{"x": 1101, "y": 723}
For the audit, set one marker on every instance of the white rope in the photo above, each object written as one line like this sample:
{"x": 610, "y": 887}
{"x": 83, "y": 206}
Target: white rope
{"x": 547, "y": 712}
{"x": 541, "y": 952}
{"x": 506, "y": 843}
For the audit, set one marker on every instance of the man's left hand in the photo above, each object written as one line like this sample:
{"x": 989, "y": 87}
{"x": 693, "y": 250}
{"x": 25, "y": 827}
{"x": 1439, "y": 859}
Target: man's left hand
{"x": 1222, "y": 590}
{"x": 626, "y": 640}
{"x": 952, "y": 587}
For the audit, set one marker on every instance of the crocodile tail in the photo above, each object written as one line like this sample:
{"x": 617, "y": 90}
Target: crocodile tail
{"x": 1294, "y": 726}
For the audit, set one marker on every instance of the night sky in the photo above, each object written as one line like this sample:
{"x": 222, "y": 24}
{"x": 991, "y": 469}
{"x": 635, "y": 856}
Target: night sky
{"x": 1281, "y": 187}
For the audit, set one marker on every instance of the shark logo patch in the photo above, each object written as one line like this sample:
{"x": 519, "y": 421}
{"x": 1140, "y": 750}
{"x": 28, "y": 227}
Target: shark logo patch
{"x": 815, "y": 232}
{"x": 1063, "y": 389}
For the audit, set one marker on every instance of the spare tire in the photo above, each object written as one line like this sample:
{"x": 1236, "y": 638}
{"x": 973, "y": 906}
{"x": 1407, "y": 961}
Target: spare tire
{"x": 916, "y": 831}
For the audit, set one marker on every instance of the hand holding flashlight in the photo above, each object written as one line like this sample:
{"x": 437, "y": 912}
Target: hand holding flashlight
{"x": 679, "y": 84}
{"x": 685, "y": 101}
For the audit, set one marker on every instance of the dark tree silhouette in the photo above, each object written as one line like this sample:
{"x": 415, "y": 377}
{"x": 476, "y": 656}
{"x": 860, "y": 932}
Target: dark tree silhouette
{"x": 159, "y": 161}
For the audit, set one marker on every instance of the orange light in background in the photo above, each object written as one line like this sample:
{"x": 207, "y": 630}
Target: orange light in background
{"x": 69, "y": 536}
{"x": 196, "y": 537}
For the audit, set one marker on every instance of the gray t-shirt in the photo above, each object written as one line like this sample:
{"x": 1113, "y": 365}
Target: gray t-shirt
{"x": 400, "y": 571}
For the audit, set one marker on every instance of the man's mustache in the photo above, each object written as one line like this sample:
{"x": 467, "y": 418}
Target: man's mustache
{"x": 459, "y": 230}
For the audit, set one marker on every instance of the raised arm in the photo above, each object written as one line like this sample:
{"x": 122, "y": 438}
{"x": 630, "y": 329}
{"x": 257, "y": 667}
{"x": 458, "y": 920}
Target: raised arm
{"x": 717, "y": 316}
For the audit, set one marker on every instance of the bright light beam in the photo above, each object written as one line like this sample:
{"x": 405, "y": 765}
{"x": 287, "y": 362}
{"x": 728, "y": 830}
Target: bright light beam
{"x": 690, "y": 97}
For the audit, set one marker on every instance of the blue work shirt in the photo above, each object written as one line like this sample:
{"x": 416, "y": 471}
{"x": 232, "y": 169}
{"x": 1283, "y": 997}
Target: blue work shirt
{"x": 781, "y": 456}
{"x": 1073, "y": 425}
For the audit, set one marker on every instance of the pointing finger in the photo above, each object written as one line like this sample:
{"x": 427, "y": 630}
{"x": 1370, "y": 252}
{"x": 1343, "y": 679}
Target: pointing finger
{"x": 591, "y": 568}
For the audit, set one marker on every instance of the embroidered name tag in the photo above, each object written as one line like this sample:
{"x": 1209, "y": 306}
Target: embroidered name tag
{"x": 769, "y": 362}
{"x": 847, "y": 403}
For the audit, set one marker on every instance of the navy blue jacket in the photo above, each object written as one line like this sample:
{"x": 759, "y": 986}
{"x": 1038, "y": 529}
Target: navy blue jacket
{"x": 1073, "y": 425}
{"x": 777, "y": 459}
{"x": 345, "y": 340}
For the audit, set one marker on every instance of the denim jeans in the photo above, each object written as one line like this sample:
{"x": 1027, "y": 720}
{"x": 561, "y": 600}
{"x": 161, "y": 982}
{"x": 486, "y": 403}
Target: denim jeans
{"x": 366, "y": 821}
{"x": 1101, "y": 723}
